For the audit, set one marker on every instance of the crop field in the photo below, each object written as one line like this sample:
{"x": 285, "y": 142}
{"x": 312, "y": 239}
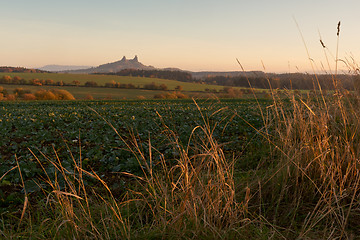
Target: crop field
{"x": 37, "y": 134}
{"x": 102, "y": 79}
{"x": 38, "y": 128}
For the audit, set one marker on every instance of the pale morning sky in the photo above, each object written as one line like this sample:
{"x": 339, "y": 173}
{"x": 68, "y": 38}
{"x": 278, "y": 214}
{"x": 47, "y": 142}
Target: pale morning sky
{"x": 188, "y": 34}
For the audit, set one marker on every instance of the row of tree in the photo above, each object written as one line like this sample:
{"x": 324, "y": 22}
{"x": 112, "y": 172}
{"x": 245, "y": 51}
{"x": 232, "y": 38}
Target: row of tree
{"x": 48, "y": 82}
{"x": 163, "y": 74}
{"x": 25, "y": 94}
{"x": 16, "y": 80}
{"x": 286, "y": 81}
{"x": 20, "y": 70}
{"x": 281, "y": 81}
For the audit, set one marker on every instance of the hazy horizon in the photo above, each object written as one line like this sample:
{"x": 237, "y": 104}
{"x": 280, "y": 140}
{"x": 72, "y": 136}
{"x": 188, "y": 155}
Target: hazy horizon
{"x": 190, "y": 35}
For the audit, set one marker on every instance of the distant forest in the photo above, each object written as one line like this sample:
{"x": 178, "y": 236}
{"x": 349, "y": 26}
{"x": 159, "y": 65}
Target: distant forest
{"x": 285, "y": 81}
{"x": 163, "y": 74}
{"x": 281, "y": 81}
{"x": 20, "y": 70}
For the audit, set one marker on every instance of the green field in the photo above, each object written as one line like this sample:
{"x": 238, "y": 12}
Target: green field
{"x": 102, "y": 79}
{"x": 39, "y": 124}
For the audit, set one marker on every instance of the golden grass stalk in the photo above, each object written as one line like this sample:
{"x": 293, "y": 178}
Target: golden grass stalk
{"x": 197, "y": 189}
{"x": 77, "y": 215}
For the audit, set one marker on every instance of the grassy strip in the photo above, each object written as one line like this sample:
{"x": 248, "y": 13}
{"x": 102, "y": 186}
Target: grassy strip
{"x": 102, "y": 79}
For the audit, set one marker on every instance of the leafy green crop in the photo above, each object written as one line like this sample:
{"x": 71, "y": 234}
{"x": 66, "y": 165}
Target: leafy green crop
{"x": 76, "y": 128}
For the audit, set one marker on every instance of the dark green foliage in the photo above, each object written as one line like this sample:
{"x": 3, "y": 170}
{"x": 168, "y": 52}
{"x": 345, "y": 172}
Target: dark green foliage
{"x": 46, "y": 127}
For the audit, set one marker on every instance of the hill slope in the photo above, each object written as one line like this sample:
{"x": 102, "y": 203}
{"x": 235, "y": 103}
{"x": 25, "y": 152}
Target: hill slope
{"x": 115, "y": 66}
{"x": 59, "y": 68}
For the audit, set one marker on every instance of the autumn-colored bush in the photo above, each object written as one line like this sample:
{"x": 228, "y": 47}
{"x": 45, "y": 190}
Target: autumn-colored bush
{"x": 154, "y": 86}
{"x": 17, "y": 80}
{"x": 172, "y": 95}
{"x": 159, "y": 96}
{"x": 61, "y": 94}
{"x": 179, "y": 88}
{"x": 10, "y": 97}
{"x": 91, "y": 84}
{"x": 36, "y": 82}
{"x": 89, "y": 97}
{"x": 140, "y": 97}
{"x": 49, "y": 82}
{"x": 5, "y": 79}
{"x": 44, "y": 95}
{"x": 181, "y": 95}
{"x": 232, "y": 92}
{"x": 1, "y": 96}
{"x": 19, "y": 92}
{"x": 54, "y": 94}
{"x": 29, "y": 96}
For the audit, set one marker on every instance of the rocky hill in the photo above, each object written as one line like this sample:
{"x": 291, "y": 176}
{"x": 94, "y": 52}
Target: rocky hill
{"x": 115, "y": 66}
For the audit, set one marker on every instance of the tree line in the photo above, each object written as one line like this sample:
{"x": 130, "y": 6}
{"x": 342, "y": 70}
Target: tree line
{"x": 163, "y": 74}
{"x": 41, "y": 94}
{"x": 20, "y": 70}
{"x": 49, "y": 82}
{"x": 282, "y": 81}
{"x": 286, "y": 81}
{"x": 16, "y": 80}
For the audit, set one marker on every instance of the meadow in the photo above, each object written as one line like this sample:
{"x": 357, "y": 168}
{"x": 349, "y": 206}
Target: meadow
{"x": 102, "y": 79}
{"x": 98, "y": 93}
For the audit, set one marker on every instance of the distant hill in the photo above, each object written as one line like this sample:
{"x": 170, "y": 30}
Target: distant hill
{"x": 7, "y": 69}
{"x": 59, "y": 68}
{"x": 115, "y": 66}
{"x": 134, "y": 64}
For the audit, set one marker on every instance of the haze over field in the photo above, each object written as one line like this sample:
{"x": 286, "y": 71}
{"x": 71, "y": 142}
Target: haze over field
{"x": 203, "y": 35}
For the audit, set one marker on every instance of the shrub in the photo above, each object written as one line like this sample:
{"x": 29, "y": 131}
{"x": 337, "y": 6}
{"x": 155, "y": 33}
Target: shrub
{"x": 163, "y": 87}
{"x": 232, "y": 93}
{"x": 172, "y": 95}
{"x": 140, "y": 97}
{"x": 180, "y": 88}
{"x": 29, "y": 96}
{"x": 17, "y": 80}
{"x": 19, "y": 92}
{"x": 60, "y": 83}
{"x": 111, "y": 84}
{"x": 181, "y": 95}
{"x": 89, "y": 97}
{"x": 159, "y": 96}
{"x": 35, "y": 82}
{"x": 49, "y": 82}
{"x": 45, "y": 95}
{"x": 61, "y": 94}
{"x": 10, "y": 97}
{"x": 91, "y": 84}
{"x": 151, "y": 86}
{"x": 6, "y": 79}
{"x": 76, "y": 83}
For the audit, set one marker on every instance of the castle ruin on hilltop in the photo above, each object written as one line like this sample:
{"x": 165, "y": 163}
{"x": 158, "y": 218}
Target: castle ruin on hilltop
{"x": 135, "y": 59}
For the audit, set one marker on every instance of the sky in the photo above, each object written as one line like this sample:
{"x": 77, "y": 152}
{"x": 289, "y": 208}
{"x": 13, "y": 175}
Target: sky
{"x": 195, "y": 35}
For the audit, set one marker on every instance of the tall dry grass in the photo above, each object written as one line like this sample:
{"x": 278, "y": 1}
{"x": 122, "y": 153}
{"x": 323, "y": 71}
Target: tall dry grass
{"x": 194, "y": 193}
{"x": 313, "y": 190}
